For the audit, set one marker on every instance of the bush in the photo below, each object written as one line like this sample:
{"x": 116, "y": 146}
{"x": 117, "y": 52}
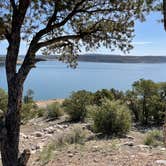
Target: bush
{"x": 41, "y": 112}
{"x": 100, "y": 95}
{"x": 75, "y": 106}
{"x": 154, "y": 138}
{"x": 76, "y": 136}
{"x": 54, "y": 111}
{"x": 111, "y": 118}
{"x": 29, "y": 111}
{"x": 3, "y": 100}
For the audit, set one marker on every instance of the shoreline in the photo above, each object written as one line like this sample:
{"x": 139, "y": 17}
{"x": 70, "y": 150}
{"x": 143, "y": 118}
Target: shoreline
{"x": 45, "y": 103}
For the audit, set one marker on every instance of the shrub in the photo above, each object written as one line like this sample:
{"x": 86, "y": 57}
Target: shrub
{"x": 111, "y": 118}
{"x": 100, "y": 95}
{"x": 29, "y": 111}
{"x": 75, "y": 106}
{"x": 54, "y": 111}
{"x": 154, "y": 138}
{"x": 76, "y": 136}
{"x": 3, "y": 100}
{"x": 41, "y": 112}
{"x": 47, "y": 153}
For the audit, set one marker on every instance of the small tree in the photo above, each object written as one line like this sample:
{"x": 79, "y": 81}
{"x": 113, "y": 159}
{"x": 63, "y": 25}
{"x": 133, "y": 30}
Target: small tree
{"x": 144, "y": 90}
{"x": 60, "y": 26}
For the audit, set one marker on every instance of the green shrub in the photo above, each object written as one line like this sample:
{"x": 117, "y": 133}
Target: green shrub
{"x": 29, "y": 111}
{"x": 54, "y": 111}
{"x": 47, "y": 154}
{"x": 111, "y": 118}
{"x": 75, "y": 106}
{"x": 154, "y": 138}
{"x": 41, "y": 112}
{"x": 100, "y": 95}
{"x": 3, "y": 100}
{"x": 75, "y": 136}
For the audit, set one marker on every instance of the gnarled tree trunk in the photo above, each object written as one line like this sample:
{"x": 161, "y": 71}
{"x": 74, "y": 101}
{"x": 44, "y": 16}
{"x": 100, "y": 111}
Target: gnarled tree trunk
{"x": 10, "y": 142}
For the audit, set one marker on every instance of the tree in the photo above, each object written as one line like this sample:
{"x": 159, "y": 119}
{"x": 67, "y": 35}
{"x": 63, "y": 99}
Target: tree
{"x": 144, "y": 90}
{"x": 60, "y": 26}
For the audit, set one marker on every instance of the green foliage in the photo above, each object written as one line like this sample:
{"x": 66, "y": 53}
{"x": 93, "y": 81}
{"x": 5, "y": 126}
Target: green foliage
{"x": 100, "y": 95}
{"x": 147, "y": 100}
{"x": 111, "y": 118}
{"x": 54, "y": 111}
{"x": 154, "y": 138}
{"x": 41, "y": 112}
{"x": 76, "y": 105}
{"x": 47, "y": 154}
{"x": 29, "y": 111}
{"x": 3, "y": 100}
{"x": 90, "y": 24}
{"x": 76, "y": 136}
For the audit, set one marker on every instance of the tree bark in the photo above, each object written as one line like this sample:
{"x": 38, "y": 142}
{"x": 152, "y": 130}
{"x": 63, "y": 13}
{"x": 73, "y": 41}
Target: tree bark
{"x": 10, "y": 142}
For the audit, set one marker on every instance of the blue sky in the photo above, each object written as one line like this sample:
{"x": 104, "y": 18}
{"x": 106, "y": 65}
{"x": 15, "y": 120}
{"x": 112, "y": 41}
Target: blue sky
{"x": 150, "y": 39}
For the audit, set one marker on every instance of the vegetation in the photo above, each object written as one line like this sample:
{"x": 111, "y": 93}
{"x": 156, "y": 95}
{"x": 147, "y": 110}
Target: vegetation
{"x": 29, "y": 111}
{"x": 154, "y": 138}
{"x": 147, "y": 101}
{"x": 76, "y": 105}
{"x": 111, "y": 118}
{"x": 76, "y": 136}
{"x": 53, "y": 111}
{"x": 3, "y": 100}
{"x": 42, "y": 24}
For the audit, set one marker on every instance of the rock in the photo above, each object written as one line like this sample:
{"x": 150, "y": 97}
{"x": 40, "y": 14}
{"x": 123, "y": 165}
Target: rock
{"x": 143, "y": 147}
{"x": 163, "y": 149}
{"x": 59, "y": 127}
{"x": 95, "y": 148}
{"x": 50, "y": 130}
{"x": 23, "y": 136}
{"x": 65, "y": 126}
{"x": 38, "y": 134}
{"x": 70, "y": 155}
{"x": 128, "y": 144}
{"x": 48, "y": 135}
{"x": 40, "y": 145}
{"x": 130, "y": 137}
{"x": 162, "y": 162}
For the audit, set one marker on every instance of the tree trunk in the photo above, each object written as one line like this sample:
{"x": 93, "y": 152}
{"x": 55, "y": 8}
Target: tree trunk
{"x": 10, "y": 143}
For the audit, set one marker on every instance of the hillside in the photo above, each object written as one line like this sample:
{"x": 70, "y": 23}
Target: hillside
{"x": 116, "y": 58}
{"x": 107, "y": 58}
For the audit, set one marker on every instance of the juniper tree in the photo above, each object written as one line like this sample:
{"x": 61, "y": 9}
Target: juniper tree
{"x": 61, "y": 26}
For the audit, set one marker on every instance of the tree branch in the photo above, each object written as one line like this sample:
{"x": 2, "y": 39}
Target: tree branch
{"x": 13, "y": 4}
{"x": 164, "y": 11}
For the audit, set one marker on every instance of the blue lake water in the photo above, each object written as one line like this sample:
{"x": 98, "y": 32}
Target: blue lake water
{"x": 53, "y": 79}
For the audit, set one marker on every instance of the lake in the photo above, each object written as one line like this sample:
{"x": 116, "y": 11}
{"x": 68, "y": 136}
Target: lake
{"x": 53, "y": 79}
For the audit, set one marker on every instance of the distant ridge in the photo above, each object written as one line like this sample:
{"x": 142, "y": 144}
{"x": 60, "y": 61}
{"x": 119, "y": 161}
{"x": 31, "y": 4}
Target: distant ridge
{"x": 115, "y": 58}
{"x": 108, "y": 58}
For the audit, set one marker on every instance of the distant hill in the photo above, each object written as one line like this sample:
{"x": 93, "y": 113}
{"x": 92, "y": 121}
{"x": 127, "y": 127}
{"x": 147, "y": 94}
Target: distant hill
{"x": 116, "y": 58}
{"x": 122, "y": 59}
{"x": 108, "y": 58}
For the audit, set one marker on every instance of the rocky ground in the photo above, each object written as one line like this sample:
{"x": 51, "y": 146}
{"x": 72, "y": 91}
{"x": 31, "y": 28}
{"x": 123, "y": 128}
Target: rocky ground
{"x": 128, "y": 151}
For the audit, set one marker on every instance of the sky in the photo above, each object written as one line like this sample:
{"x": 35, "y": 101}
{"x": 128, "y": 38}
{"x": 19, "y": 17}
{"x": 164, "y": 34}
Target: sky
{"x": 150, "y": 39}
